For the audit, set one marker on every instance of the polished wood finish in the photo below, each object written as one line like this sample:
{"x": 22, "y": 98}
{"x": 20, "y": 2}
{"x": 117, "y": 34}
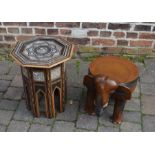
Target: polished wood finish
{"x": 66, "y": 53}
{"x": 116, "y": 68}
{"x": 34, "y": 90}
{"x": 121, "y": 95}
{"x": 42, "y": 61}
{"x": 110, "y": 76}
{"x": 91, "y": 94}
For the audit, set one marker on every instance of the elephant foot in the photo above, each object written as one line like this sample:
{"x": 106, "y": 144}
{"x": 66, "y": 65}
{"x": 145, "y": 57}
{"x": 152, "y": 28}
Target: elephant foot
{"x": 117, "y": 121}
{"x": 90, "y": 113}
{"x": 118, "y": 111}
{"x": 89, "y": 110}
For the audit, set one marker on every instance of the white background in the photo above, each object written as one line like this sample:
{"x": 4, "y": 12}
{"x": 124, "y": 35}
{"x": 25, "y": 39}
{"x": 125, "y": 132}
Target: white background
{"x": 77, "y": 143}
{"x": 77, "y": 10}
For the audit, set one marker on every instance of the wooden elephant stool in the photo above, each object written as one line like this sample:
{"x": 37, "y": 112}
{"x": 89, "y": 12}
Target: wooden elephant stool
{"x": 110, "y": 76}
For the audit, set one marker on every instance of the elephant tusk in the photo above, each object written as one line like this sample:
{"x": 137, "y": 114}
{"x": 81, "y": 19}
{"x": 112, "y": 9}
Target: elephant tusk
{"x": 105, "y": 105}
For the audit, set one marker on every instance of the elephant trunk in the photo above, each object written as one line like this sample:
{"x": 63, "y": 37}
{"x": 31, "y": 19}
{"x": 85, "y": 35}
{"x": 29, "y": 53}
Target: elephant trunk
{"x": 100, "y": 103}
{"x": 105, "y": 99}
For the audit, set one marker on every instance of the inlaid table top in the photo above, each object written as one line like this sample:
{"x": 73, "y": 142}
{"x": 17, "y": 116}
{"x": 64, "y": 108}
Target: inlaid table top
{"x": 43, "y": 52}
{"x": 116, "y": 68}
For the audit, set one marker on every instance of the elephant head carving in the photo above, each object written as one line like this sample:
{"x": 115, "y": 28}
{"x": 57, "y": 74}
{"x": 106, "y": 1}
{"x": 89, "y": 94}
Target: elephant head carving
{"x": 102, "y": 87}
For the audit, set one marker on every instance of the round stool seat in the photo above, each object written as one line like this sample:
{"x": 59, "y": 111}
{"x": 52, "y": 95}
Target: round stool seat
{"x": 116, "y": 68}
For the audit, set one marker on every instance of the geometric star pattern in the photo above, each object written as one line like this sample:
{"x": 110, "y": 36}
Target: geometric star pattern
{"x": 42, "y": 52}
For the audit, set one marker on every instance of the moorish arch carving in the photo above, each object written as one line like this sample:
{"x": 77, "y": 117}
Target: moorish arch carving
{"x": 42, "y": 61}
{"x": 41, "y": 100}
{"x": 56, "y": 95}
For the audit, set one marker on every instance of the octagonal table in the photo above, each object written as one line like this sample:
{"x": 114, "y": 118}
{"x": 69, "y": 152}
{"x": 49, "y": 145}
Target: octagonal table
{"x": 42, "y": 62}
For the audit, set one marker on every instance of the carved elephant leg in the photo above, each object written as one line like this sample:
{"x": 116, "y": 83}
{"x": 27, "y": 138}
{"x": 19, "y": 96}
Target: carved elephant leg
{"x": 121, "y": 95}
{"x": 88, "y": 81}
{"x": 89, "y": 106}
{"x": 118, "y": 110}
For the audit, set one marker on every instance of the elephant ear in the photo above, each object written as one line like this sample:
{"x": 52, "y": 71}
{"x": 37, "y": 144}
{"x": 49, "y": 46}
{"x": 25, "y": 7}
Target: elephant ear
{"x": 124, "y": 92}
{"x": 88, "y": 81}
